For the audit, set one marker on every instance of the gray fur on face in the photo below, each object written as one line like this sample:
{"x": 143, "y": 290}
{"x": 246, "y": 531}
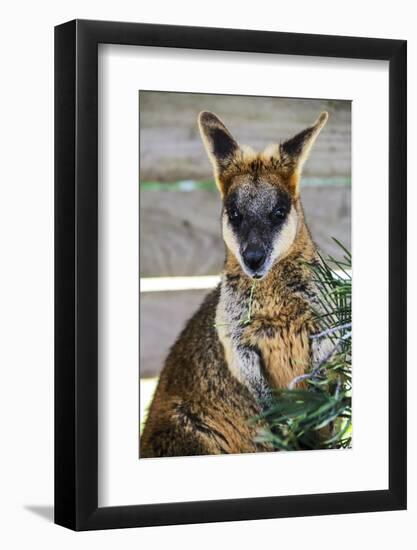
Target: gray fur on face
{"x": 259, "y": 215}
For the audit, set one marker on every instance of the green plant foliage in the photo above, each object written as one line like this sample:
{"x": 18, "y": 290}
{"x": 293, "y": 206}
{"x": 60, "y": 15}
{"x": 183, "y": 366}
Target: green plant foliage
{"x": 320, "y": 417}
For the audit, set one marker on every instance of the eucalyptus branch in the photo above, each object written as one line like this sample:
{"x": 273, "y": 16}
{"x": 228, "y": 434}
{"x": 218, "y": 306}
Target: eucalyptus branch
{"x": 302, "y": 377}
{"x": 330, "y": 354}
{"x": 329, "y": 331}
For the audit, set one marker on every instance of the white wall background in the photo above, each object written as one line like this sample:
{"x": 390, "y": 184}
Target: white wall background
{"x": 26, "y": 273}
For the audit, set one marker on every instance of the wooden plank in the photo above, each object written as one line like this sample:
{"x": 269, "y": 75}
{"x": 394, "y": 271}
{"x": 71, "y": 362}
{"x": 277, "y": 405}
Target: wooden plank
{"x": 181, "y": 235}
{"x": 162, "y": 317}
{"x": 171, "y": 147}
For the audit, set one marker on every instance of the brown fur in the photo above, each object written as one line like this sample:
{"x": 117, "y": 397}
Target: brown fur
{"x": 199, "y": 407}
{"x": 220, "y": 370}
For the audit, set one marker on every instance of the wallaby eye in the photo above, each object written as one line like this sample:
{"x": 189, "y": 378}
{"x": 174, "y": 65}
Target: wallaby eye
{"x": 234, "y": 215}
{"x": 277, "y": 214}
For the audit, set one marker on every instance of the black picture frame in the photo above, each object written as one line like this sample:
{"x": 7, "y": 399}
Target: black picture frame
{"x": 76, "y": 272}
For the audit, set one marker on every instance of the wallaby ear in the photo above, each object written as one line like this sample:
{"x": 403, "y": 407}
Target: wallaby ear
{"x": 297, "y": 149}
{"x": 220, "y": 145}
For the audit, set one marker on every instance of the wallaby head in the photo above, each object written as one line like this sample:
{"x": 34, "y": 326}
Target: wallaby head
{"x": 260, "y": 192}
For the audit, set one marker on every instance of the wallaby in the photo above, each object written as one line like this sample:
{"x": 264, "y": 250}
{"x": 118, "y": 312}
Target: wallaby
{"x": 252, "y": 333}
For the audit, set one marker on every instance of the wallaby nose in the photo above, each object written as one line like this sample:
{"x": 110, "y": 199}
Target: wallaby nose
{"x": 254, "y": 257}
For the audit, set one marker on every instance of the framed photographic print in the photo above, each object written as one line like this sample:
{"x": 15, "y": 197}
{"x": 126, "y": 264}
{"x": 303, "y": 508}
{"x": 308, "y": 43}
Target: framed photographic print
{"x": 230, "y": 275}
